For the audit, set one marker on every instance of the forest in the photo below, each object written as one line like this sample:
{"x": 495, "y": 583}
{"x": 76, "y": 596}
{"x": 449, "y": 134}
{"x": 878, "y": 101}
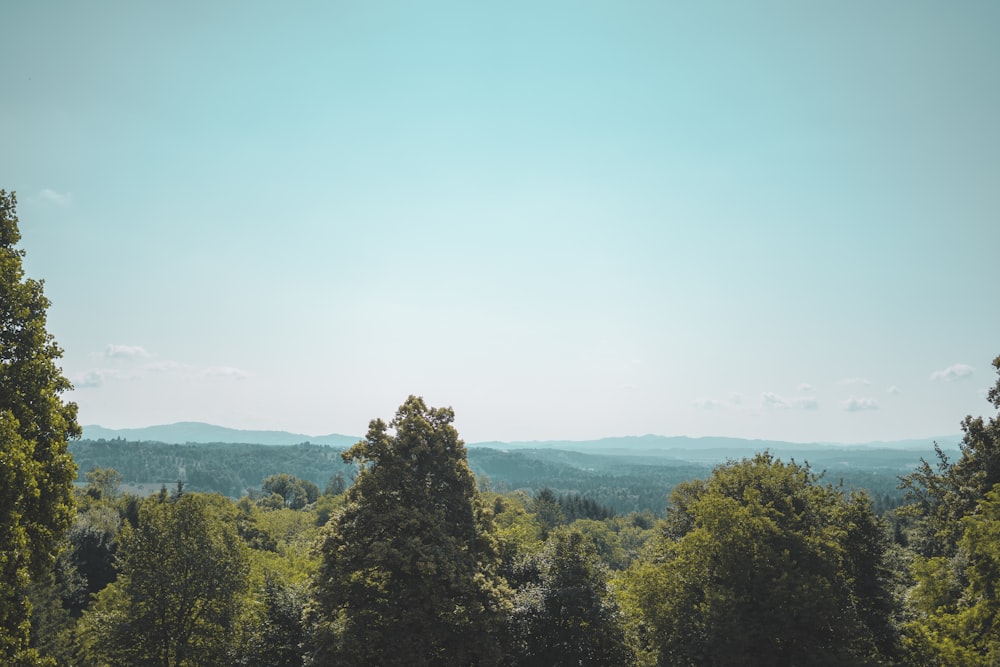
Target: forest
{"x": 394, "y": 552}
{"x": 623, "y": 482}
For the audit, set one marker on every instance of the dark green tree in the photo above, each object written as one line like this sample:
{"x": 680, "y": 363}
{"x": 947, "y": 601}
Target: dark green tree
{"x": 182, "y": 574}
{"x": 546, "y": 507}
{"x": 763, "y": 565}
{"x": 277, "y": 636}
{"x": 36, "y": 472}
{"x": 407, "y": 573}
{"x": 566, "y": 616}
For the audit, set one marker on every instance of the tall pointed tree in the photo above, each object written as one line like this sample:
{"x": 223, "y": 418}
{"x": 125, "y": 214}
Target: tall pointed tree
{"x": 407, "y": 576}
{"x": 36, "y": 471}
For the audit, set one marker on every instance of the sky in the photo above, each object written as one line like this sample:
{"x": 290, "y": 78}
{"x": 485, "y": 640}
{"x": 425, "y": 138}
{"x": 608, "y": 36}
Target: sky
{"x": 566, "y": 220}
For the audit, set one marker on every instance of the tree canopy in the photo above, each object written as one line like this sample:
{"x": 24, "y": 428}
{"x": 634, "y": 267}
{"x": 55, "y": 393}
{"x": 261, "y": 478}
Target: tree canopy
{"x": 182, "y": 572}
{"x": 407, "y": 576}
{"x": 761, "y": 564}
{"x": 36, "y": 472}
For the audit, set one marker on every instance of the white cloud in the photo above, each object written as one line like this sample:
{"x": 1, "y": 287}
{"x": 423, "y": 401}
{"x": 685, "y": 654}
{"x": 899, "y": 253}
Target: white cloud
{"x": 226, "y": 372}
{"x": 892, "y": 390}
{"x": 769, "y": 399}
{"x": 736, "y": 398}
{"x": 163, "y": 366}
{"x": 861, "y": 381}
{"x": 953, "y": 372}
{"x": 805, "y": 386}
{"x": 854, "y": 404}
{"x": 58, "y": 198}
{"x": 96, "y": 377}
{"x": 709, "y": 404}
{"x": 113, "y": 351}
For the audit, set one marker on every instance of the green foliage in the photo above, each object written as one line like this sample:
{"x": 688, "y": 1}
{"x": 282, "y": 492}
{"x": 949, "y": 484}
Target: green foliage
{"x": 760, "y": 564}
{"x": 407, "y": 574}
{"x": 182, "y": 572}
{"x": 229, "y": 469}
{"x": 940, "y": 496}
{"x": 275, "y": 636}
{"x": 103, "y": 483}
{"x": 954, "y": 515}
{"x": 957, "y": 599}
{"x": 36, "y": 473}
{"x": 545, "y": 506}
{"x": 295, "y": 493}
{"x": 564, "y": 615}
{"x": 92, "y": 544}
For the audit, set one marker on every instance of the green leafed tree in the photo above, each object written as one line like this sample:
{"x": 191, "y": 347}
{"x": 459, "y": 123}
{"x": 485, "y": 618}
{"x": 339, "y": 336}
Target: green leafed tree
{"x": 36, "y": 472}
{"x": 182, "y": 574}
{"x": 941, "y": 495}
{"x": 565, "y": 614}
{"x": 955, "y": 600}
{"x": 763, "y": 565}
{"x": 407, "y": 573}
{"x": 294, "y": 492}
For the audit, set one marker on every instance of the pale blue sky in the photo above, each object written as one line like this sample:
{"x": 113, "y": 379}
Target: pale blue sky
{"x": 564, "y": 219}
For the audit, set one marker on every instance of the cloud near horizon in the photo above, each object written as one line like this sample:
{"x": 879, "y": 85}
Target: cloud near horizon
{"x": 953, "y": 373}
{"x": 226, "y": 372}
{"x": 855, "y": 404}
{"x": 114, "y": 351}
{"x": 769, "y": 399}
{"x": 856, "y": 380}
{"x": 95, "y": 377}
{"x": 709, "y": 404}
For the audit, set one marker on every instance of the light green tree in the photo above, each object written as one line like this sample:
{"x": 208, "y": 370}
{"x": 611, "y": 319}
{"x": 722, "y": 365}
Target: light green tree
{"x": 182, "y": 574}
{"x": 36, "y": 472}
{"x": 407, "y": 573}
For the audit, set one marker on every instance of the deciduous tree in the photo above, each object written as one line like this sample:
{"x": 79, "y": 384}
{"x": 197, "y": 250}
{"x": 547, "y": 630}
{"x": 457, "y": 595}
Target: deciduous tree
{"x": 566, "y": 615}
{"x": 407, "y": 573}
{"x": 183, "y": 571}
{"x": 36, "y": 472}
{"x": 762, "y": 564}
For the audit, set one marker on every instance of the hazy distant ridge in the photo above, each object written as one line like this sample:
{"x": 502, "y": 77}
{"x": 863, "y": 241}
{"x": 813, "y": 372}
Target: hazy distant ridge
{"x": 183, "y": 433}
{"x": 198, "y": 432}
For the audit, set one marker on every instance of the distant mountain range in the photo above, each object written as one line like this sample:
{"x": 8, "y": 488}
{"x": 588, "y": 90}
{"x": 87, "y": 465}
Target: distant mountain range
{"x": 183, "y": 433}
{"x": 681, "y": 447}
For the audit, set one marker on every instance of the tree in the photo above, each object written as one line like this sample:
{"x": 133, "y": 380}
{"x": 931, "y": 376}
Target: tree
{"x": 276, "y": 635}
{"x": 36, "y": 472}
{"x": 956, "y": 508}
{"x": 407, "y": 572}
{"x": 939, "y": 496}
{"x": 295, "y": 493}
{"x": 103, "y": 483}
{"x": 566, "y": 616}
{"x": 182, "y": 572}
{"x": 761, "y": 564}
